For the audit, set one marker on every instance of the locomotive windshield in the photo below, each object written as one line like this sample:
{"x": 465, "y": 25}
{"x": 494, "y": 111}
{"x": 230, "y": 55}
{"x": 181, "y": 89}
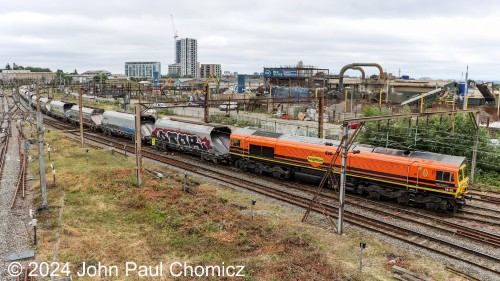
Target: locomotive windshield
{"x": 461, "y": 174}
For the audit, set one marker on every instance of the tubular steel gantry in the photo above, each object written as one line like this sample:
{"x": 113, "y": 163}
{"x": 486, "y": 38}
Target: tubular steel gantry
{"x": 356, "y": 66}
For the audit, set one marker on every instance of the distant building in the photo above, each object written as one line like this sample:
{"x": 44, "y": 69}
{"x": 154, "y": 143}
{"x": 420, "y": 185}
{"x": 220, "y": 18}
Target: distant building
{"x": 88, "y": 75}
{"x": 207, "y": 70}
{"x": 7, "y": 75}
{"x": 186, "y": 54}
{"x": 142, "y": 69}
{"x": 96, "y": 72}
{"x": 174, "y": 69}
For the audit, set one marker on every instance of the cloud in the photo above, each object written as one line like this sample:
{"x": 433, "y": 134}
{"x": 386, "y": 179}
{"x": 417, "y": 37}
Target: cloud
{"x": 422, "y": 38}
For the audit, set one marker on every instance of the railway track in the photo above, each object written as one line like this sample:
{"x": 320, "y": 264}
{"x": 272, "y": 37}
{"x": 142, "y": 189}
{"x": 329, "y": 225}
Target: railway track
{"x": 4, "y": 142}
{"x": 13, "y": 108}
{"x": 482, "y": 260}
{"x": 485, "y": 215}
{"x": 486, "y": 196}
{"x": 431, "y": 221}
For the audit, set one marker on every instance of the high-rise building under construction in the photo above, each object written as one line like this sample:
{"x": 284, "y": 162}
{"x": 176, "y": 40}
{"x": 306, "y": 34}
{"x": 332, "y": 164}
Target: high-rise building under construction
{"x": 186, "y": 57}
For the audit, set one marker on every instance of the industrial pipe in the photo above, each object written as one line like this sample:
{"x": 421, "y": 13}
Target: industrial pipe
{"x": 351, "y": 66}
{"x": 363, "y": 76}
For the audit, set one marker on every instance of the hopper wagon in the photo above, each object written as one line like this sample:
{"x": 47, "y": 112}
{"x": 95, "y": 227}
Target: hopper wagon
{"x": 92, "y": 117}
{"x": 58, "y": 109}
{"x": 123, "y": 124}
{"x": 210, "y": 142}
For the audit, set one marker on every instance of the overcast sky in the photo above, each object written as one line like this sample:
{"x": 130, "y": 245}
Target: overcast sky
{"x": 422, "y": 38}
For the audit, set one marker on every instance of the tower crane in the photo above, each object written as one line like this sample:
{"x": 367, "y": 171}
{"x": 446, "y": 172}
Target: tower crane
{"x": 173, "y": 27}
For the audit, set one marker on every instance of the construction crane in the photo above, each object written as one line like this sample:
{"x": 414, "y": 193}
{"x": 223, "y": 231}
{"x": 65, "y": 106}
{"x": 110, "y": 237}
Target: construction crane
{"x": 199, "y": 91}
{"x": 173, "y": 27}
{"x": 168, "y": 82}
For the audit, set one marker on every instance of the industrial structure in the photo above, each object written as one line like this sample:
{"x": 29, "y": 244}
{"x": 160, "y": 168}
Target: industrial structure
{"x": 296, "y": 76}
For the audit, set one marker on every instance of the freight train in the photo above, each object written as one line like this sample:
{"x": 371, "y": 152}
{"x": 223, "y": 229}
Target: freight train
{"x": 430, "y": 180}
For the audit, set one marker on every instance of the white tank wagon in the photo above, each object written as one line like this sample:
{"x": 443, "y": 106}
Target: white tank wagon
{"x": 123, "y": 124}
{"x": 45, "y": 105}
{"x": 58, "y": 109}
{"x": 208, "y": 141}
{"x": 92, "y": 117}
{"x": 27, "y": 95}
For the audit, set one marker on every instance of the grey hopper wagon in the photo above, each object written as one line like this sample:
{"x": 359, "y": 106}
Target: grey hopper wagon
{"x": 210, "y": 142}
{"x": 58, "y": 109}
{"x": 123, "y": 124}
{"x": 92, "y": 117}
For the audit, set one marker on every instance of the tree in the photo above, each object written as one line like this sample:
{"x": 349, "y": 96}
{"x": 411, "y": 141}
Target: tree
{"x": 75, "y": 72}
{"x": 100, "y": 77}
{"x": 62, "y": 78}
{"x": 451, "y": 135}
{"x": 37, "y": 69}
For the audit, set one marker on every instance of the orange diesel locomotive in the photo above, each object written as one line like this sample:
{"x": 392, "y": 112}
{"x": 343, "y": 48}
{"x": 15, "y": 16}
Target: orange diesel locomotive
{"x": 435, "y": 181}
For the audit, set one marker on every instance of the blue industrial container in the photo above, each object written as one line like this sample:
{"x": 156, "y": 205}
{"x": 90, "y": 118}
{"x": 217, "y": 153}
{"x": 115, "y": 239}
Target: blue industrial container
{"x": 156, "y": 79}
{"x": 241, "y": 83}
{"x": 295, "y": 93}
{"x": 406, "y": 77}
{"x": 461, "y": 89}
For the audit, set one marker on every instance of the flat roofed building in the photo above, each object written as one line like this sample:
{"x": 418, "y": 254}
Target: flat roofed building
{"x": 8, "y": 75}
{"x": 142, "y": 69}
{"x": 96, "y": 72}
{"x": 207, "y": 70}
{"x": 174, "y": 69}
{"x": 186, "y": 54}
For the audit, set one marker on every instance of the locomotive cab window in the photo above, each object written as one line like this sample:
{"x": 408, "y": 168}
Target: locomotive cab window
{"x": 235, "y": 143}
{"x": 445, "y": 176}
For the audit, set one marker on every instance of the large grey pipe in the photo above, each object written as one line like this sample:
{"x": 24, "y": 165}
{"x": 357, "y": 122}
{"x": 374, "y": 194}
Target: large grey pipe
{"x": 363, "y": 76}
{"x": 351, "y": 66}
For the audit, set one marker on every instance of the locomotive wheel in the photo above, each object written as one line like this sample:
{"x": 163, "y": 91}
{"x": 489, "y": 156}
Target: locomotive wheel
{"x": 455, "y": 207}
{"x": 373, "y": 195}
{"x": 242, "y": 165}
{"x": 258, "y": 170}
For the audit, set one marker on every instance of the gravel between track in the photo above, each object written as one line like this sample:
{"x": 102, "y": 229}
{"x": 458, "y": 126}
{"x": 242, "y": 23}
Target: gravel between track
{"x": 15, "y": 232}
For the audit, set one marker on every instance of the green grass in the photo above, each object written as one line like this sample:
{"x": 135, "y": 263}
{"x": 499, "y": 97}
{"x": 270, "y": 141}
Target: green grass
{"x": 107, "y": 219}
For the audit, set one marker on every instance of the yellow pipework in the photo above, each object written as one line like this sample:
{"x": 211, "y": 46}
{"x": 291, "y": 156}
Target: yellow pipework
{"x": 422, "y": 103}
{"x": 380, "y": 99}
{"x": 345, "y": 101}
{"x": 317, "y": 108}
